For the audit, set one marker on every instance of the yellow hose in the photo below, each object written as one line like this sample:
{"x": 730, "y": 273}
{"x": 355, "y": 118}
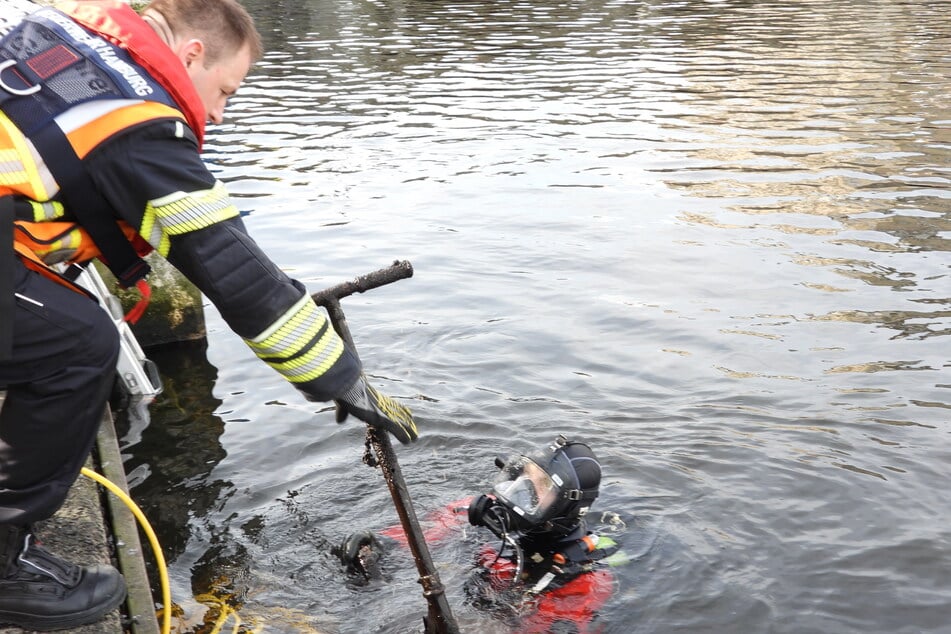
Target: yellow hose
{"x": 153, "y": 540}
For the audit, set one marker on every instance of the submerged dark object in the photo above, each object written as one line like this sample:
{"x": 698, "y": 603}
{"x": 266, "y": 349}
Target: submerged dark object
{"x": 360, "y": 553}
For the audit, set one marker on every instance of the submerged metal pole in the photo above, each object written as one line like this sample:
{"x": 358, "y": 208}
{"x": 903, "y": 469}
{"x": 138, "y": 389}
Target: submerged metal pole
{"x": 439, "y": 619}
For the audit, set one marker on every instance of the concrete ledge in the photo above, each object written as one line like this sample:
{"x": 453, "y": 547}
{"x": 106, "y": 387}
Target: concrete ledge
{"x": 140, "y": 607}
{"x": 91, "y": 529}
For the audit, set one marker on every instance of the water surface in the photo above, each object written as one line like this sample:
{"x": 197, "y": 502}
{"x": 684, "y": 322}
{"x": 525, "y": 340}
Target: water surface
{"x": 709, "y": 238}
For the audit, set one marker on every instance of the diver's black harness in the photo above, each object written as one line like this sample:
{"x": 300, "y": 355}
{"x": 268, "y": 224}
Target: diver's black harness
{"x": 542, "y": 565}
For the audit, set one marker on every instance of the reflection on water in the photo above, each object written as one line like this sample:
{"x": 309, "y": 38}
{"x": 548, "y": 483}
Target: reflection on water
{"x": 709, "y": 238}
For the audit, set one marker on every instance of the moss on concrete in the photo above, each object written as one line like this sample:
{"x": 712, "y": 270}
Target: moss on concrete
{"x": 175, "y": 311}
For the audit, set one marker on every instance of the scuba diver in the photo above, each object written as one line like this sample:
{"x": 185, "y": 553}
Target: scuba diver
{"x": 549, "y": 573}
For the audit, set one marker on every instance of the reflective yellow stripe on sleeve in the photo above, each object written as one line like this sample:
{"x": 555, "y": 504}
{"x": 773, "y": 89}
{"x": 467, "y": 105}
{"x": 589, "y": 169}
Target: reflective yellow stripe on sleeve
{"x": 300, "y": 345}
{"x": 184, "y": 212}
{"x": 50, "y": 210}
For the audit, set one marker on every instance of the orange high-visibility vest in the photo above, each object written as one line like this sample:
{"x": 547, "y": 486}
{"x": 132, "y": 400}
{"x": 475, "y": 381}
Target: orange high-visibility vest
{"x": 148, "y": 83}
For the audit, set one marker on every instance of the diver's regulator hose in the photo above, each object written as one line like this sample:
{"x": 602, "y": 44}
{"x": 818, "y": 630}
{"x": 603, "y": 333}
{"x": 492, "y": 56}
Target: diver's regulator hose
{"x": 153, "y": 540}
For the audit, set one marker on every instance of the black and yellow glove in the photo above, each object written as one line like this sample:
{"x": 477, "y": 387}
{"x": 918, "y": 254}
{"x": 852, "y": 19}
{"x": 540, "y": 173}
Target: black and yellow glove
{"x": 378, "y": 410}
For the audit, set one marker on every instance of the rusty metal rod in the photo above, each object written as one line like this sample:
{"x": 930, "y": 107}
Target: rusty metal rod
{"x": 440, "y": 619}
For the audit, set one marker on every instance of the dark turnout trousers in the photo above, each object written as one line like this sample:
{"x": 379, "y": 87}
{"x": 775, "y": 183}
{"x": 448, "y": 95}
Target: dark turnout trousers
{"x": 57, "y": 382}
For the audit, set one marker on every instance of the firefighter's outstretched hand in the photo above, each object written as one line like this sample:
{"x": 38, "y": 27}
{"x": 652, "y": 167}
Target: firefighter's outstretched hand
{"x": 373, "y": 408}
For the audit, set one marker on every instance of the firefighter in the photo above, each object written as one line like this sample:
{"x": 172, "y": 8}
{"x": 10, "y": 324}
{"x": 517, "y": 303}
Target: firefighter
{"x": 102, "y": 118}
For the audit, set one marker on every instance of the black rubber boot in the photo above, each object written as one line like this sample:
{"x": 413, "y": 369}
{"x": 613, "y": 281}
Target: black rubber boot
{"x": 39, "y": 591}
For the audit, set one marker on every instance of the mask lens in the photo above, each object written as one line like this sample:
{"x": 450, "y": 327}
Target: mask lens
{"x": 526, "y": 487}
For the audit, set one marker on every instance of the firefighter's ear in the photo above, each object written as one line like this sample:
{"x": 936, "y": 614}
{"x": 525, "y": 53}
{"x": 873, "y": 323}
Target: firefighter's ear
{"x": 192, "y": 54}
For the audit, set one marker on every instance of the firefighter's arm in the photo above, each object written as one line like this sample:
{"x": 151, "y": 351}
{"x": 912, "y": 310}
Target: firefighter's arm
{"x": 158, "y": 180}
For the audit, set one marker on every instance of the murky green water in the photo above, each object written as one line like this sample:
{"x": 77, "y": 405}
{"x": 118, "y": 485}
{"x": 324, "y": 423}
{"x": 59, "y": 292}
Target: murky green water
{"x": 709, "y": 238}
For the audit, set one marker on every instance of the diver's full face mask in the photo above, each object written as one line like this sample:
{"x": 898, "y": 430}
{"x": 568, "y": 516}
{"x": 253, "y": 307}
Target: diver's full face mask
{"x": 547, "y": 491}
{"x": 526, "y": 489}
